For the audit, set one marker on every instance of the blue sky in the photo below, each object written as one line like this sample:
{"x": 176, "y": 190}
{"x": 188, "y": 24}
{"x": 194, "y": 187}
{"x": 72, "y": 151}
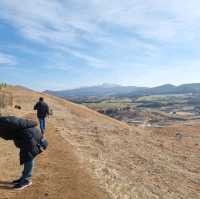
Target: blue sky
{"x": 62, "y": 44}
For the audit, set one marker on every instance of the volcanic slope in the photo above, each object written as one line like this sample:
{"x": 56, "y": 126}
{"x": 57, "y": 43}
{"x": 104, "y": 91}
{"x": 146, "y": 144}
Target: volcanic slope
{"x": 93, "y": 156}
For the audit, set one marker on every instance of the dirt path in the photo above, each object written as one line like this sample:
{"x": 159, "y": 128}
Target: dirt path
{"x": 58, "y": 174}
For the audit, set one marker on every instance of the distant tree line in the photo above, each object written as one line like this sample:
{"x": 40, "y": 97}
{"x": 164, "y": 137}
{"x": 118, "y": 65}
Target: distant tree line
{"x": 6, "y": 98}
{"x": 2, "y": 85}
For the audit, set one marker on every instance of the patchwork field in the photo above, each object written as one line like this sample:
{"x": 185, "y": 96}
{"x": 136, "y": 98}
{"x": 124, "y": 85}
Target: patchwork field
{"x": 154, "y": 109}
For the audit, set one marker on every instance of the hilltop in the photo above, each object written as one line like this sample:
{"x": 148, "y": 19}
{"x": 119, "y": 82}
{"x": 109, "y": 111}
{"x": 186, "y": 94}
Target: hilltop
{"x": 94, "y": 156}
{"x": 106, "y": 91}
{"x": 95, "y": 92}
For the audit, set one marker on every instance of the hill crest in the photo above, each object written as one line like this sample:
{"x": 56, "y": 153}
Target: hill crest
{"x": 103, "y": 92}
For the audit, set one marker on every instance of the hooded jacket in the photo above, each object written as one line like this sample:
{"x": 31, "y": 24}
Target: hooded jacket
{"x": 24, "y": 134}
{"x": 11, "y": 126}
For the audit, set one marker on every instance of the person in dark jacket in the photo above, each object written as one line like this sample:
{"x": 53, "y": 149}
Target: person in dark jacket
{"x": 42, "y": 112}
{"x": 28, "y": 139}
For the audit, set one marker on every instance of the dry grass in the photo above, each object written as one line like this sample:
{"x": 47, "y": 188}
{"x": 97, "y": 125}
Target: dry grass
{"x": 6, "y": 99}
{"x": 128, "y": 162}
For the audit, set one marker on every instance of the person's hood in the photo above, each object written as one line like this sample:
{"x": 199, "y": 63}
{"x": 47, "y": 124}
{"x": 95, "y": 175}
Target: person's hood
{"x": 10, "y": 125}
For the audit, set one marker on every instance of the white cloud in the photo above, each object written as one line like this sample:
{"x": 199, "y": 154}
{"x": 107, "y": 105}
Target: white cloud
{"x": 7, "y": 60}
{"x": 161, "y": 20}
{"x": 47, "y": 19}
{"x": 71, "y": 24}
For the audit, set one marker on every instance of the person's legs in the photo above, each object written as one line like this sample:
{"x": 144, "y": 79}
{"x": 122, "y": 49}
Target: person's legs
{"x": 25, "y": 179}
{"x": 28, "y": 169}
{"x": 42, "y": 124}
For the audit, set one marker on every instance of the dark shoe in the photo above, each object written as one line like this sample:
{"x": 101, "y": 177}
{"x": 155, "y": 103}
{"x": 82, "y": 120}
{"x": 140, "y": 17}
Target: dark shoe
{"x": 16, "y": 181}
{"x": 22, "y": 185}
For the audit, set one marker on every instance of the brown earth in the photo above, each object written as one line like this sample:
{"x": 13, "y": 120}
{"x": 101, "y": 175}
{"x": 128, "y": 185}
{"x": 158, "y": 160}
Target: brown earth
{"x": 58, "y": 173}
{"x": 94, "y": 156}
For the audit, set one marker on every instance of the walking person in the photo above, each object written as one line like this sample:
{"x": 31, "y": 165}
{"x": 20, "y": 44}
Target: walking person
{"x": 27, "y": 138}
{"x": 42, "y": 112}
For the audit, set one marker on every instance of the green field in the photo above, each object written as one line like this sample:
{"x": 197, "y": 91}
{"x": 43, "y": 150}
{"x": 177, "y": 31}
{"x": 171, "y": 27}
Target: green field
{"x": 109, "y": 104}
{"x": 164, "y": 99}
{"x": 177, "y": 102}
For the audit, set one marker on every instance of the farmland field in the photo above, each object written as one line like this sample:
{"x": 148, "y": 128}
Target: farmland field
{"x": 153, "y": 109}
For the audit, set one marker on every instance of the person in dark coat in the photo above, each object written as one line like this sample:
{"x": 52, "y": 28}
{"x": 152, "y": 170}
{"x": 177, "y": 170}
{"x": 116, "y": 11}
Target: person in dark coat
{"x": 42, "y": 112}
{"x": 28, "y": 139}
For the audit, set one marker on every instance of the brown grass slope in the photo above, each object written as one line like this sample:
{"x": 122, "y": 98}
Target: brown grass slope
{"x": 93, "y": 154}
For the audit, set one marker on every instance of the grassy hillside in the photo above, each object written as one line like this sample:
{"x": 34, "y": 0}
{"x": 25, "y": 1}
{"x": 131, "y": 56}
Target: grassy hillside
{"x": 118, "y": 161}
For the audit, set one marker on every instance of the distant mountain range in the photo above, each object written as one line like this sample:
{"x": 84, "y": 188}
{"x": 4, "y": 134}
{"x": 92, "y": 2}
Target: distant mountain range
{"x": 105, "y": 91}
{"x": 168, "y": 89}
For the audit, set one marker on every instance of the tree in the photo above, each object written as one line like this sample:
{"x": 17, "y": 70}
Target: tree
{"x": 2, "y": 85}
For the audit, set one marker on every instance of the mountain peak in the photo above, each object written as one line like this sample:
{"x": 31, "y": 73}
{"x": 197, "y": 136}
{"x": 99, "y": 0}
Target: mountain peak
{"x": 166, "y": 86}
{"x": 109, "y": 85}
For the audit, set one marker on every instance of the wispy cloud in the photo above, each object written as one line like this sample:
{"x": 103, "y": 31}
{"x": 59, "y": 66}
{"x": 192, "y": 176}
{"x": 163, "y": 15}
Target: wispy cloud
{"x": 7, "y": 60}
{"x": 74, "y": 24}
{"x": 103, "y": 34}
{"x": 68, "y": 21}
